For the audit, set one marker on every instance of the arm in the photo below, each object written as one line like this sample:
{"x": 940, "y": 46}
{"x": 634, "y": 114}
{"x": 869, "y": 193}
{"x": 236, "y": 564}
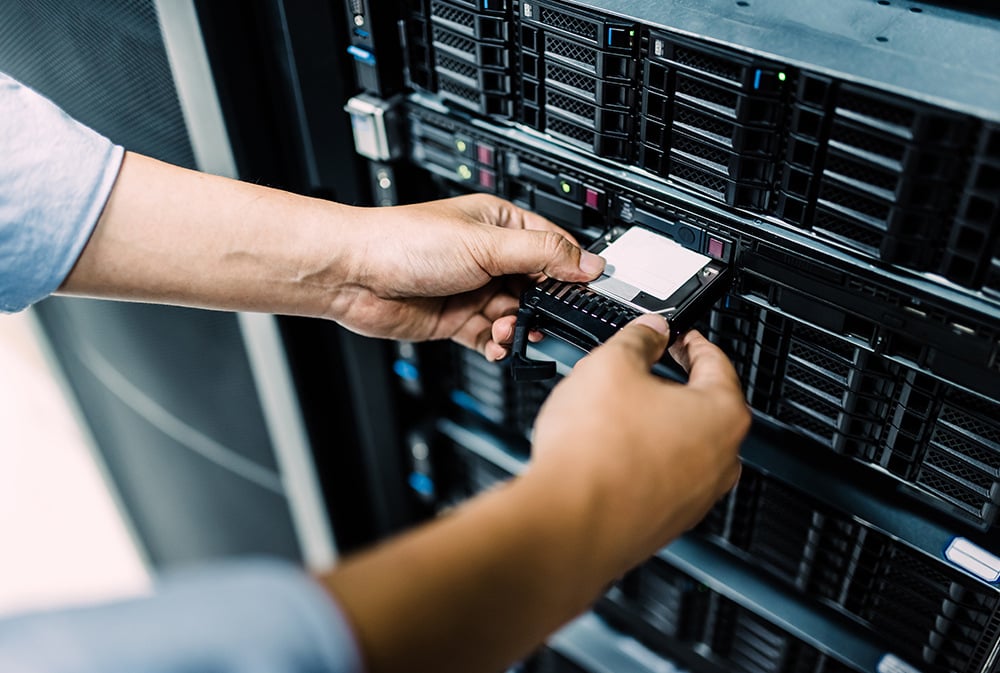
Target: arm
{"x": 618, "y": 471}
{"x": 477, "y": 589}
{"x": 429, "y": 271}
{"x": 610, "y": 481}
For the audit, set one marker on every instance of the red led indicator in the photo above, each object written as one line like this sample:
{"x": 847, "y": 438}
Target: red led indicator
{"x": 716, "y": 248}
{"x": 487, "y": 179}
{"x": 485, "y": 154}
{"x": 592, "y": 198}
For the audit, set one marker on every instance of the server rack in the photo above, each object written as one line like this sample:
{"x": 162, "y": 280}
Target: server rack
{"x": 845, "y": 158}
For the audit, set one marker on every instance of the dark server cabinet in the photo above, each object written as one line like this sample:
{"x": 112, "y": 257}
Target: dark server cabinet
{"x": 845, "y": 158}
{"x": 195, "y": 413}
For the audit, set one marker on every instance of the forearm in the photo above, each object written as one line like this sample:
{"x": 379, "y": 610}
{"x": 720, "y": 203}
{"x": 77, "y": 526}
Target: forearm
{"x": 481, "y": 586}
{"x": 176, "y": 236}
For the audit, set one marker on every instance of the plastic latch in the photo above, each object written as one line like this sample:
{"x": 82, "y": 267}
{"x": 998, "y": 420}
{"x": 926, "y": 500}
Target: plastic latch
{"x": 522, "y": 367}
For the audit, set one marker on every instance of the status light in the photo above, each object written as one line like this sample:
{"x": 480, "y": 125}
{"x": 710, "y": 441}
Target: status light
{"x": 464, "y": 172}
{"x": 782, "y": 77}
{"x": 566, "y": 187}
{"x": 460, "y": 144}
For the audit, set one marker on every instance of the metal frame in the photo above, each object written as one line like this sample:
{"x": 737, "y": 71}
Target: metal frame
{"x": 268, "y": 363}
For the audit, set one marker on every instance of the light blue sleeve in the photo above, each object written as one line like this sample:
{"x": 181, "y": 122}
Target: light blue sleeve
{"x": 241, "y": 617}
{"x": 55, "y": 177}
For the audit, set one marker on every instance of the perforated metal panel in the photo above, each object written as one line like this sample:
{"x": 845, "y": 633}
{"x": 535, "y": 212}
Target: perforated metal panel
{"x": 168, "y": 393}
{"x": 104, "y": 63}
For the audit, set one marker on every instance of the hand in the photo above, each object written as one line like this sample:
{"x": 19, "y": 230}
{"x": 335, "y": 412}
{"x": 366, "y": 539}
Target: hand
{"x": 452, "y": 269}
{"x": 445, "y": 269}
{"x": 655, "y": 454}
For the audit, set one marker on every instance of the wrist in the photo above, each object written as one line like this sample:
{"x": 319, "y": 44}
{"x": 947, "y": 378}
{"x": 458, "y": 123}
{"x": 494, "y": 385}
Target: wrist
{"x": 330, "y": 247}
{"x": 590, "y": 518}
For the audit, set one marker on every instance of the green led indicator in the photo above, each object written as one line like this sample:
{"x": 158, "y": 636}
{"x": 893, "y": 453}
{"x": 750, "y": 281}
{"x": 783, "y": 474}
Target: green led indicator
{"x": 782, "y": 77}
{"x": 566, "y": 187}
{"x": 460, "y": 144}
{"x": 464, "y": 172}
{"x": 631, "y": 33}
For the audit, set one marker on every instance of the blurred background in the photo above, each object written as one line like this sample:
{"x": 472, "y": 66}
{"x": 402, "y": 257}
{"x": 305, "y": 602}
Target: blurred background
{"x": 64, "y": 540}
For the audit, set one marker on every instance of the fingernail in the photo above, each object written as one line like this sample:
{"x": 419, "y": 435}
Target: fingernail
{"x": 591, "y": 264}
{"x": 654, "y": 322}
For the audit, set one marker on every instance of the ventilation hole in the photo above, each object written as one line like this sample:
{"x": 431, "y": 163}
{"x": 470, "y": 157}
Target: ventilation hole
{"x": 985, "y": 430}
{"x": 701, "y": 150}
{"x": 691, "y": 88}
{"x": 829, "y": 342}
{"x": 808, "y": 400}
{"x": 961, "y": 445}
{"x": 570, "y": 105}
{"x": 975, "y": 403}
{"x": 808, "y": 425}
{"x": 445, "y": 62}
{"x": 571, "y": 131}
{"x": 571, "y": 24}
{"x": 882, "y": 38}
{"x": 853, "y": 233}
{"x": 858, "y": 203}
{"x": 857, "y": 101}
{"x": 454, "y": 89}
{"x": 706, "y": 63}
{"x": 916, "y": 10}
{"x": 742, "y": 3}
{"x": 867, "y": 142}
{"x": 704, "y": 123}
{"x": 571, "y": 50}
{"x": 447, "y": 12}
{"x": 813, "y": 380}
{"x": 449, "y": 39}
{"x": 860, "y": 171}
{"x": 698, "y": 177}
{"x": 949, "y": 489}
{"x": 571, "y": 79}
{"x": 959, "y": 469}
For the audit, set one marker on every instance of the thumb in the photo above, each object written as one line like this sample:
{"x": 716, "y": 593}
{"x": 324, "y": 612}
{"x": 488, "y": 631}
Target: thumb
{"x": 641, "y": 342}
{"x": 526, "y": 251}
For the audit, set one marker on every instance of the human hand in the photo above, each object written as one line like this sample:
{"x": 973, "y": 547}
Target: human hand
{"x": 652, "y": 455}
{"x": 452, "y": 269}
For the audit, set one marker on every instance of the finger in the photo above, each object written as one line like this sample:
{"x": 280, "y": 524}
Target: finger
{"x": 523, "y": 251}
{"x": 503, "y": 337}
{"x": 474, "y": 333}
{"x": 495, "y": 351}
{"x": 489, "y": 300}
{"x": 640, "y": 343}
{"x": 503, "y": 330}
{"x": 500, "y": 305}
{"x": 706, "y": 364}
{"x": 513, "y": 217}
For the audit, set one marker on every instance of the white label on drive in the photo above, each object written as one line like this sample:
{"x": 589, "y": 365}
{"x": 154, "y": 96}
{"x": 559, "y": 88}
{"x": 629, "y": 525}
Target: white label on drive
{"x": 974, "y": 559}
{"x": 648, "y": 262}
{"x": 890, "y": 663}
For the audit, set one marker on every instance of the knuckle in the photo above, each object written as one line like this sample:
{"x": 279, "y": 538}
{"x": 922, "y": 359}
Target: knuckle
{"x": 487, "y": 207}
{"x": 590, "y": 365}
{"x": 554, "y": 244}
{"x": 630, "y": 342}
{"x": 481, "y": 199}
{"x": 731, "y": 476}
{"x": 740, "y": 418}
{"x": 743, "y": 418}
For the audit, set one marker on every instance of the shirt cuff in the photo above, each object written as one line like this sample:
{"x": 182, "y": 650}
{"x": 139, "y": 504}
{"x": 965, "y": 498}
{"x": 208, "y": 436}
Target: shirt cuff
{"x": 241, "y": 617}
{"x": 55, "y": 178}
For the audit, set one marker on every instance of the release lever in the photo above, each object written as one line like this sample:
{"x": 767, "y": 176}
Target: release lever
{"x": 522, "y": 367}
